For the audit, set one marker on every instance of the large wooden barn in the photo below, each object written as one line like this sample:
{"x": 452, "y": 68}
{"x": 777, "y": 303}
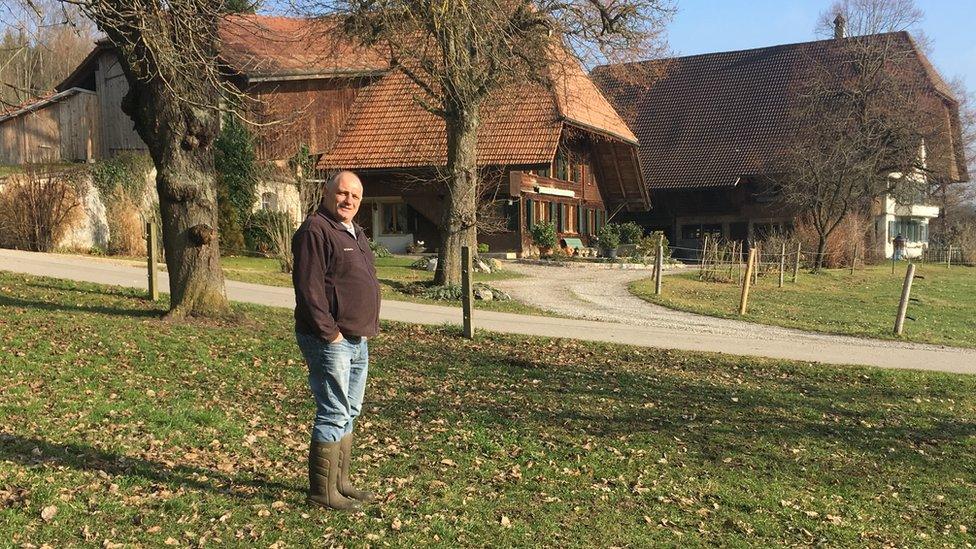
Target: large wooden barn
{"x": 562, "y": 154}
{"x": 713, "y": 129}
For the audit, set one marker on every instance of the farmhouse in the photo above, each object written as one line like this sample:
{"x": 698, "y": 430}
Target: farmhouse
{"x": 560, "y": 155}
{"x": 712, "y": 132}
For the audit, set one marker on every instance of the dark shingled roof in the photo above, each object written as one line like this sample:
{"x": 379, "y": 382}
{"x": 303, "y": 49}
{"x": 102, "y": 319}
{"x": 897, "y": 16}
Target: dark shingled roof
{"x": 713, "y": 119}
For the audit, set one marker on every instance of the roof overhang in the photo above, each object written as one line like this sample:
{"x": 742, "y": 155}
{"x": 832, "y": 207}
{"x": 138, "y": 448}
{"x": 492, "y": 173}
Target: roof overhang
{"x": 41, "y": 103}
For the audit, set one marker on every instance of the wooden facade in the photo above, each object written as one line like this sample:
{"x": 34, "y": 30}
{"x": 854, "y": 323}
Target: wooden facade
{"x": 403, "y": 206}
{"x": 62, "y": 128}
{"x": 306, "y": 112}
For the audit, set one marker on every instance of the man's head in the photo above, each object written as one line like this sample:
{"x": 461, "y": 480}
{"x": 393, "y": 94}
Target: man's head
{"x": 343, "y": 193}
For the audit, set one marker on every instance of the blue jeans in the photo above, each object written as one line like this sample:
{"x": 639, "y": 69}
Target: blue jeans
{"x": 337, "y": 377}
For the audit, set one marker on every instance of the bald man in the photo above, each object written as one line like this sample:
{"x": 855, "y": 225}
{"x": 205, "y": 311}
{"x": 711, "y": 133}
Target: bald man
{"x": 337, "y": 304}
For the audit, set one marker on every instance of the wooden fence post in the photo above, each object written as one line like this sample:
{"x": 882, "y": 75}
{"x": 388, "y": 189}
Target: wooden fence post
{"x": 796, "y": 266}
{"x": 744, "y": 299}
{"x": 701, "y": 263}
{"x": 152, "y": 253}
{"x": 659, "y": 265}
{"x": 906, "y": 291}
{"x": 757, "y": 264}
{"x": 782, "y": 265}
{"x": 467, "y": 292}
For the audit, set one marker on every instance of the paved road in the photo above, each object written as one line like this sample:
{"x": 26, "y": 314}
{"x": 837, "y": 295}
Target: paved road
{"x": 757, "y": 340}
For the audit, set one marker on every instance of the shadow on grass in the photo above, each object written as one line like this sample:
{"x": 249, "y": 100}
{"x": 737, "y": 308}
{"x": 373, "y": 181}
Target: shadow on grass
{"x": 843, "y": 418}
{"x": 7, "y": 301}
{"x": 21, "y": 450}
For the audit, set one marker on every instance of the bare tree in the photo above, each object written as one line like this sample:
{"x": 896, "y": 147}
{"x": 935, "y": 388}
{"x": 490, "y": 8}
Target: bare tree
{"x": 40, "y": 45}
{"x": 459, "y": 53}
{"x": 861, "y": 119}
{"x": 168, "y": 52}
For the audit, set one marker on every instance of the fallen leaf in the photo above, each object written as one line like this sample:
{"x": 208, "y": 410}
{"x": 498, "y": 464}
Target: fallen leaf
{"x": 506, "y": 523}
{"x": 48, "y": 513}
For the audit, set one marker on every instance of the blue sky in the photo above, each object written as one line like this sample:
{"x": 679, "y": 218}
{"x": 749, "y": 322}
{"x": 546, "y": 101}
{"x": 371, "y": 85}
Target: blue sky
{"x": 703, "y": 26}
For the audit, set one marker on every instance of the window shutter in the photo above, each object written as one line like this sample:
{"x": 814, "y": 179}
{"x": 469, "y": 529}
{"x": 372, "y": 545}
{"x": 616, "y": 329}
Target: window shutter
{"x": 552, "y": 213}
{"x": 579, "y": 219}
{"x": 562, "y": 218}
{"x": 528, "y": 213}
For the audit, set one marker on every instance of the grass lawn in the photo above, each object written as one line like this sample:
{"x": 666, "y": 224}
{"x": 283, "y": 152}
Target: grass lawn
{"x": 118, "y": 427}
{"x": 394, "y": 274}
{"x": 6, "y": 169}
{"x": 864, "y": 304}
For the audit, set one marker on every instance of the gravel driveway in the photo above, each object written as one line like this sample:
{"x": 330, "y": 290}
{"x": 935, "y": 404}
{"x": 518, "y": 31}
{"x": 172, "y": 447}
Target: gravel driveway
{"x": 597, "y": 293}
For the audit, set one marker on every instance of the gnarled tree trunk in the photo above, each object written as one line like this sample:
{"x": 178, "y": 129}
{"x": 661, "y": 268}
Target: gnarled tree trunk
{"x": 458, "y": 224}
{"x": 180, "y": 137}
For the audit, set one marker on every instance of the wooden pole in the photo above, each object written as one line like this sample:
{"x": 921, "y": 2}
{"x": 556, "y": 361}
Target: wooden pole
{"x": 467, "y": 292}
{"x": 732, "y": 258}
{"x": 949, "y": 257}
{"x": 659, "y": 265}
{"x": 153, "y": 258}
{"x": 906, "y": 291}
{"x": 796, "y": 265}
{"x": 757, "y": 264}
{"x": 744, "y": 299}
{"x": 854, "y": 258}
{"x": 782, "y": 265}
{"x": 701, "y": 265}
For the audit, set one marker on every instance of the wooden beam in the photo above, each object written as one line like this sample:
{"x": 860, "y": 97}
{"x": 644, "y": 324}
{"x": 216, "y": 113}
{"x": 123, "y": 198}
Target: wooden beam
{"x": 620, "y": 179}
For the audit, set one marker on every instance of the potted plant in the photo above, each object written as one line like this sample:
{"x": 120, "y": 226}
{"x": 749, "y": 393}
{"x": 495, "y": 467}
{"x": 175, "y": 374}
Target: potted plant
{"x": 544, "y": 236}
{"x": 609, "y": 237}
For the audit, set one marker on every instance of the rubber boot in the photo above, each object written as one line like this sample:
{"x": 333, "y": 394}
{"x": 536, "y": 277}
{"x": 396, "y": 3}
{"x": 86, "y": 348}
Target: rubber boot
{"x": 323, "y": 477}
{"x": 345, "y": 487}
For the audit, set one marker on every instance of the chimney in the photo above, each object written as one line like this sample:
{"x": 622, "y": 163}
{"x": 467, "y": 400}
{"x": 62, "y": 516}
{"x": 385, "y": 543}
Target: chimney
{"x": 840, "y": 26}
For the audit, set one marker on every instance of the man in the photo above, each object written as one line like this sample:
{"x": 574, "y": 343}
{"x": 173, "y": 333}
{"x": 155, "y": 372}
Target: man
{"x": 899, "y": 247}
{"x": 337, "y": 302}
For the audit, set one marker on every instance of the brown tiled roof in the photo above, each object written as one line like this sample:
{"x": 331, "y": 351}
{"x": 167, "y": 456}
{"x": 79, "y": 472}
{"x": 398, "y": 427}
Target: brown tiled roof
{"x": 715, "y": 118}
{"x": 581, "y": 103}
{"x": 388, "y": 128}
{"x": 266, "y": 46}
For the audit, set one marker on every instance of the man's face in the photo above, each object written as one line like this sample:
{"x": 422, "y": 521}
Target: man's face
{"x": 344, "y": 201}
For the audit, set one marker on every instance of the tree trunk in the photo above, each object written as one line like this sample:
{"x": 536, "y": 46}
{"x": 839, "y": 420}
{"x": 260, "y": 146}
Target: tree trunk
{"x": 821, "y": 250}
{"x": 458, "y": 223}
{"x": 180, "y": 138}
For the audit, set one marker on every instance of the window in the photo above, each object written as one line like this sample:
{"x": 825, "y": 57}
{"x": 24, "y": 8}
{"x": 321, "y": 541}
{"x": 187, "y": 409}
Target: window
{"x": 570, "y": 218}
{"x": 912, "y": 230}
{"x": 562, "y": 165}
{"x": 395, "y": 219}
{"x": 269, "y": 202}
{"x": 542, "y": 211}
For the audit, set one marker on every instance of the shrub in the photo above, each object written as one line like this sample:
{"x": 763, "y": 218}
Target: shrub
{"x": 839, "y": 249}
{"x": 125, "y": 225}
{"x": 126, "y": 172}
{"x": 647, "y": 245}
{"x": 483, "y": 248}
{"x": 609, "y": 236}
{"x": 544, "y": 234}
{"x": 379, "y": 250}
{"x": 37, "y": 209}
{"x": 630, "y": 233}
{"x": 258, "y": 231}
{"x": 235, "y": 162}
